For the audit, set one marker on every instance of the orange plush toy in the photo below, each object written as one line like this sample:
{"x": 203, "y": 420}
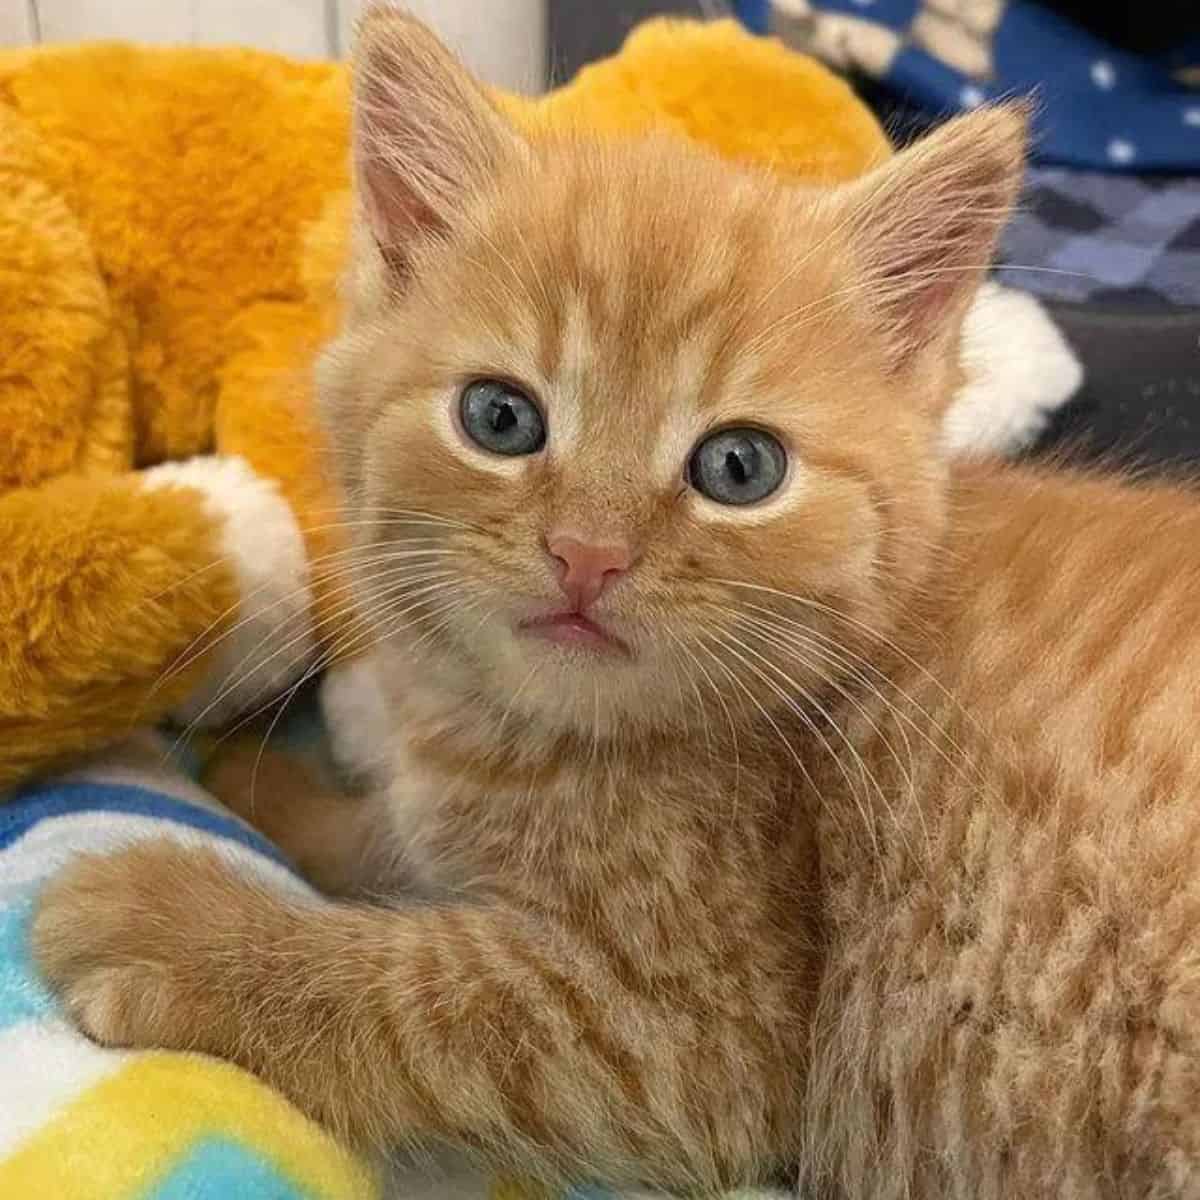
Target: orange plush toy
{"x": 154, "y": 314}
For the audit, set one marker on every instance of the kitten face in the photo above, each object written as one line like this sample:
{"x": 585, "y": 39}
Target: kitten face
{"x": 610, "y": 415}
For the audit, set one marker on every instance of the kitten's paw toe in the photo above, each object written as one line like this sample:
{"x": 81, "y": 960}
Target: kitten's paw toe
{"x": 102, "y": 941}
{"x": 112, "y": 1004}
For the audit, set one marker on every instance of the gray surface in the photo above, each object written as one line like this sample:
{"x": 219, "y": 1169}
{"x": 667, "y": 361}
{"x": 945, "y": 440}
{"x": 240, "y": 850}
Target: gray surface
{"x": 1140, "y": 401}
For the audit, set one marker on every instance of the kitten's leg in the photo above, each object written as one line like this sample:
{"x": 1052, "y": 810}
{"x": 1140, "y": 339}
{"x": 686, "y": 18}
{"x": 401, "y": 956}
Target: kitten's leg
{"x": 337, "y": 841}
{"x": 475, "y": 1024}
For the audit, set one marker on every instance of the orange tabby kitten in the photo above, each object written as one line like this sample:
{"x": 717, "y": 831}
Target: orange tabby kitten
{"x": 766, "y": 791}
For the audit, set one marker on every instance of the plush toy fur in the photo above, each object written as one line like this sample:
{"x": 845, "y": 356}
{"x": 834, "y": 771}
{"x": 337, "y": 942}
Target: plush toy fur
{"x": 171, "y": 230}
{"x": 152, "y": 308}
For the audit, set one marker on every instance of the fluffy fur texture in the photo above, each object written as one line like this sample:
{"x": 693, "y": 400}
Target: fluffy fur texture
{"x": 851, "y": 859}
{"x": 1011, "y": 1001}
{"x": 83, "y": 558}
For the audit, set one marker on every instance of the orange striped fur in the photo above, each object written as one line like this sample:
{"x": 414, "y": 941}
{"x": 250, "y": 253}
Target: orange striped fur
{"x": 878, "y": 852}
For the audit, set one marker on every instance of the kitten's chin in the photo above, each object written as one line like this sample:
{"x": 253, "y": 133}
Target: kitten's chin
{"x": 563, "y": 677}
{"x": 574, "y": 680}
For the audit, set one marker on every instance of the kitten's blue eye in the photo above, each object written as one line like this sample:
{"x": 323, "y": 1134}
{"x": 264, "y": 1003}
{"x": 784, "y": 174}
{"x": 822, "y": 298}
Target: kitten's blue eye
{"x": 501, "y": 418}
{"x": 737, "y": 466}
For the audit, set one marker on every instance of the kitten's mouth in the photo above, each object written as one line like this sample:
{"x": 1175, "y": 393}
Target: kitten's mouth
{"x": 575, "y": 629}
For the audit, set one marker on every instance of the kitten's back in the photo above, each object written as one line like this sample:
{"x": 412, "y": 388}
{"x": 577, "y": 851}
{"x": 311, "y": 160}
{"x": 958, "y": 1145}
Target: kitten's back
{"x": 1015, "y": 979}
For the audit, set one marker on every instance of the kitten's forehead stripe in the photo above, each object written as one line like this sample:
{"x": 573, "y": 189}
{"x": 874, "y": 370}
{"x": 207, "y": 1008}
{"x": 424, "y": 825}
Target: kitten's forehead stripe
{"x": 638, "y": 317}
{"x": 551, "y": 333}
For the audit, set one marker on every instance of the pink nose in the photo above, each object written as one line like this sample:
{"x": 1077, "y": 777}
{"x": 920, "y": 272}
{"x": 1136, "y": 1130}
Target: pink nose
{"x": 585, "y": 569}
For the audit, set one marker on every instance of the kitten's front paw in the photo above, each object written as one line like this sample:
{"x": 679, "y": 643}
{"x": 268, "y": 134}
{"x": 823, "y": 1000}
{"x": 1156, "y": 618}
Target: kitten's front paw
{"x": 109, "y": 936}
{"x": 112, "y": 1004}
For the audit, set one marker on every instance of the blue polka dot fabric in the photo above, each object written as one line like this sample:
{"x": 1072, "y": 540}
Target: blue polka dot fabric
{"x": 1098, "y": 107}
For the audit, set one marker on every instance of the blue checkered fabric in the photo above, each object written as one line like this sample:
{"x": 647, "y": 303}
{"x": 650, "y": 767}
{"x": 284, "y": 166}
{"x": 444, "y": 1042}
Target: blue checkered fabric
{"x": 1095, "y": 236}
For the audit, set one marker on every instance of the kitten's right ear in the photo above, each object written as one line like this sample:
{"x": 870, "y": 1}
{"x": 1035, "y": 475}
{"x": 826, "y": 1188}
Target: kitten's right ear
{"x": 425, "y": 134}
{"x": 923, "y": 227}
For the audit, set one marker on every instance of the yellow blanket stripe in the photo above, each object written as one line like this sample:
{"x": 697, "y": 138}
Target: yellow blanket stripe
{"x": 519, "y": 1189}
{"x": 132, "y": 1128}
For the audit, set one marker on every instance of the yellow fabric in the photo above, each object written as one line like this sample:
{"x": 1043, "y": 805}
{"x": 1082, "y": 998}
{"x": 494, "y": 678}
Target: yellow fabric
{"x": 132, "y": 1127}
{"x": 172, "y": 222}
{"x": 520, "y": 1189}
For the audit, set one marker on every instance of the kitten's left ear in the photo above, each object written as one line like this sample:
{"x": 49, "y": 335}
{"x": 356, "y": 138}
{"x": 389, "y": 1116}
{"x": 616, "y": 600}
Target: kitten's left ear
{"x": 923, "y": 227}
{"x": 426, "y": 136}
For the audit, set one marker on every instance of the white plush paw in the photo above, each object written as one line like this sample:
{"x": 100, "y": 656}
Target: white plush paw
{"x": 1019, "y": 371}
{"x": 270, "y": 641}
